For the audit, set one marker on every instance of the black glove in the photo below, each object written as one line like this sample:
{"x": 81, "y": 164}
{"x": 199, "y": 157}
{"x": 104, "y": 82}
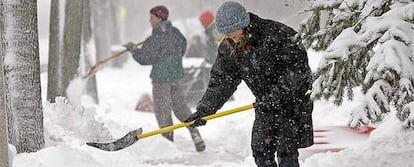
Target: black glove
{"x": 130, "y": 46}
{"x": 197, "y": 117}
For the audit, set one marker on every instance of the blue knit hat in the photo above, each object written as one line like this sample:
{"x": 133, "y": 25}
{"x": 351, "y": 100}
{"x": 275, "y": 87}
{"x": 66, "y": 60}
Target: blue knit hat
{"x": 230, "y": 17}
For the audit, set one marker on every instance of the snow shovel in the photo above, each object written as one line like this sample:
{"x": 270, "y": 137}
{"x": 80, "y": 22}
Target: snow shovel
{"x": 135, "y": 135}
{"x": 95, "y": 68}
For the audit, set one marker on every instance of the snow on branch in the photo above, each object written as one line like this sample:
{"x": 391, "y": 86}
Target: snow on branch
{"x": 375, "y": 105}
{"x": 330, "y": 18}
{"x": 407, "y": 116}
{"x": 367, "y": 43}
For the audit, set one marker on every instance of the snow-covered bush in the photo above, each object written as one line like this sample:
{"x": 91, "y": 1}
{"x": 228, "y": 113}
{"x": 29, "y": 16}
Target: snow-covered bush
{"x": 65, "y": 122}
{"x": 368, "y": 44}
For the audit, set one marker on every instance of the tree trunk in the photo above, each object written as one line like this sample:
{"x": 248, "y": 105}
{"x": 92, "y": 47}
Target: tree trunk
{"x": 115, "y": 24}
{"x": 89, "y": 59}
{"x": 22, "y": 76}
{"x": 72, "y": 33}
{"x": 3, "y": 121}
{"x": 101, "y": 28}
{"x": 53, "y": 83}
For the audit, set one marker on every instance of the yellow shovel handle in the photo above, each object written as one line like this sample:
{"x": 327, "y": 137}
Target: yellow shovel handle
{"x": 184, "y": 124}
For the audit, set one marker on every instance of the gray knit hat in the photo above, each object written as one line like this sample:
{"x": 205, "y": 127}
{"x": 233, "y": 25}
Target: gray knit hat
{"x": 230, "y": 17}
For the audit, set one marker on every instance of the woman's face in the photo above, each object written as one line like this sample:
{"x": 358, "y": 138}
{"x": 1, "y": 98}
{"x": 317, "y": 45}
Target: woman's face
{"x": 235, "y": 36}
{"x": 154, "y": 20}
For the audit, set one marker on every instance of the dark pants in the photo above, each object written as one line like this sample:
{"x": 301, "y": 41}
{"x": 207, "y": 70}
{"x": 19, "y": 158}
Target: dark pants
{"x": 169, "y": 96}
{"x": 285, "y": 159}
{"x": 266, "y": 142}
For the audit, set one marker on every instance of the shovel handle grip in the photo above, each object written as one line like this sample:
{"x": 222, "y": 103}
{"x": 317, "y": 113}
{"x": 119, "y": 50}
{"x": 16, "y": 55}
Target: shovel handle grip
{"x": 117, "y": 54}
{"x": 184, "y": 124}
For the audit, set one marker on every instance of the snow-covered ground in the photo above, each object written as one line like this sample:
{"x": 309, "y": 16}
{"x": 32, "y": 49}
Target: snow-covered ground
{"x": 69, "y": 126}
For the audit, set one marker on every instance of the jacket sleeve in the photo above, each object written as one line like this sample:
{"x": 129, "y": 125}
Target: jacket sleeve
{"x": 224, "y": 80}
{"x": 148, "y": 54}
{"x": 182, "y": 43}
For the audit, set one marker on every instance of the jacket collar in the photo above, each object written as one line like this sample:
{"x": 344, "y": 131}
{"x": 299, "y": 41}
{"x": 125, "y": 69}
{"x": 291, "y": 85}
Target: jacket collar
{"x": 162, "y": 27}
{"x": 254, "y": 30}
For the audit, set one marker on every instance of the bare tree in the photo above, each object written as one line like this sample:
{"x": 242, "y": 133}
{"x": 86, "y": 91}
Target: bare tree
{"x": 115, "y": 28}
{"x": 68, "y": 42}
{"x": 53, "y": 83}
{"x": 100, "y": 28}
{"x": 22, "y": 75}
{"x": 3, "y": 121}
{"x": 89, "y": 59}
{"x": 71, "y": 48}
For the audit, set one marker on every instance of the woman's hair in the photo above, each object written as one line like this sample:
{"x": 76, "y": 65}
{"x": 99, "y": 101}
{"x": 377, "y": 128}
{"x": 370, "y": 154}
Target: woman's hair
{"x": 243, "y": 46}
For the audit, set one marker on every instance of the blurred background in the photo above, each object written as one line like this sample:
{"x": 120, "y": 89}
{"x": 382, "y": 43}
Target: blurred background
{"x": 130, "y": 17}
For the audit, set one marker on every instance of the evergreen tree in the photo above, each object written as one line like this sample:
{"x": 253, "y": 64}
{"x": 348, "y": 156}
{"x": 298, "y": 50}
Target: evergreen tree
{"x": 368, "y": 44}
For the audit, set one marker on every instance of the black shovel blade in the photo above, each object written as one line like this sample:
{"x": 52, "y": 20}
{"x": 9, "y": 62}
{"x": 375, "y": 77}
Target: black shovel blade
{"x": 126, "y": 141}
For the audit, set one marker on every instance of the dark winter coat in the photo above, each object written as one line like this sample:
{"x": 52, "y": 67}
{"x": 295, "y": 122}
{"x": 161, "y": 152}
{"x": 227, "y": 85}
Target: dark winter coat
{"x": 164, "y": 50}
{"x": 276, "y": 70}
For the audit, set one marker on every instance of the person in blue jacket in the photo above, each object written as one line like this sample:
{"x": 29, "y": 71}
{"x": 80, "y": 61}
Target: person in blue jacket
{"x": 164, "y": 50}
